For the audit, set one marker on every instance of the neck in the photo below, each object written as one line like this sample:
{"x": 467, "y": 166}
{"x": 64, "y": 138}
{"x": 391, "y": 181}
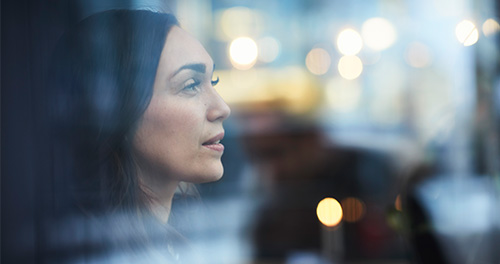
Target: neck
{"x": 160, "y": 192}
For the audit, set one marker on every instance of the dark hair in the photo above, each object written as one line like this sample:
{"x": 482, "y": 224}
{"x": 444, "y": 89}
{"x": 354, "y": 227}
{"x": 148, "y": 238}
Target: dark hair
{"x": 103, "y": 75}
{"x": 101, "y": 82}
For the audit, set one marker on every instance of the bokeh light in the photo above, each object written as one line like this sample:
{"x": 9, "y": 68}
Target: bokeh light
{"x": 329, "y": 212}
{"x": 467, "y": 33}
{"x": 349, "y": 42}
{"x": 318, "y": 61}
{"x": 378, "y": 33}
{"x": 418, "y": 55}
{"x": 350, "y": 67}
{"x": 268, "y": 49}
{"x": 397, "y": 203}
{"x": 353, "y": 208}
{"x": 243, "y": 53}
{"x": 490, "y": 27}
{"x": 343, "y": 95}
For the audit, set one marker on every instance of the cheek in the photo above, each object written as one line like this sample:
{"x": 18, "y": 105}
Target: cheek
{"x": 168, "y": 138}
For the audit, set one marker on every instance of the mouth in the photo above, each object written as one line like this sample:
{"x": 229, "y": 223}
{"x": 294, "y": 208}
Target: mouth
{"x": 214, "y": 143}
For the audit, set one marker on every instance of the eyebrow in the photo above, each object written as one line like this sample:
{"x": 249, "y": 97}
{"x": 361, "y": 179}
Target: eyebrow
{"x": 198, "y": 67}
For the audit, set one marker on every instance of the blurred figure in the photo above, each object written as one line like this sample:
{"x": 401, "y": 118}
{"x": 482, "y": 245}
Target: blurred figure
{"x": 296, "y": 167}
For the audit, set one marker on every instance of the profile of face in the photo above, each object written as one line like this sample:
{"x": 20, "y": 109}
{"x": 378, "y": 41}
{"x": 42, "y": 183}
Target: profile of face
{"x": 178, "y": 137}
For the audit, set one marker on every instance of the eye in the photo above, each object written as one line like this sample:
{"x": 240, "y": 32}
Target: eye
{"x": 215, "y": 82}
{"x": 191, "y": 86}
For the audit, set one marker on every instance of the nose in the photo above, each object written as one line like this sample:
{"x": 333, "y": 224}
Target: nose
{"x": 218, "y": 109}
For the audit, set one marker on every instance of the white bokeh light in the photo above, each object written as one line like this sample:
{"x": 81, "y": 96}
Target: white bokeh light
{"x": 243, "y": 53}
{"x": 378, "y": 33}
{"x": 490, "y": 27}
{"x": 467, "y": 33}
{"x": 349, "y": 42}
{"x": 350, "y": 67}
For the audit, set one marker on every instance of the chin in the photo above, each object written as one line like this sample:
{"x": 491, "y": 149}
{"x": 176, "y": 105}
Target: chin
{"x": 209, "y": 175}
{"x": 215, "y": 176}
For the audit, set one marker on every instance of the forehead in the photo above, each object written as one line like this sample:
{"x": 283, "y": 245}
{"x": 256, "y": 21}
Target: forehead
{"x": 181, "y": 48}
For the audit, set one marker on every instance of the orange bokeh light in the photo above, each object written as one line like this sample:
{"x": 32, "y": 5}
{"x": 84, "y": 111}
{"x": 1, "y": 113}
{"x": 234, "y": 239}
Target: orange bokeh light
{"x": 397, "y": 203}
{"x": 354, "y": 209}
{"x": 329, "y": 212}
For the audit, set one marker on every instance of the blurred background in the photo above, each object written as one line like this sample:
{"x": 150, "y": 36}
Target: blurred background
{"x": 361, "y": 131}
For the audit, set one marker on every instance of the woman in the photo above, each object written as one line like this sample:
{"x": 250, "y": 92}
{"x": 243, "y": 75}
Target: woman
{"x": 135, "y": 114}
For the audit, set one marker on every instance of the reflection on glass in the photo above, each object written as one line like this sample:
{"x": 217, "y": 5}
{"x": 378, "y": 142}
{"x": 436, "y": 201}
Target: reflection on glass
{"x": 318, "y": 61}
{"x": 349, "y": 42}
{"x": 490, "y": 27}
{"x": 466, "y": 33}
{"x": 350, "y": 67}
{"x": 329, "y": 212}
{"x": 378, "y": 33}
{"x": 243, "y": 53}
{"x": 418, "y": 55}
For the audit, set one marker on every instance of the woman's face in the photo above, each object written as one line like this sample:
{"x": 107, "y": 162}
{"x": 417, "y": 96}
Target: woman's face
{"x": 178, "y": 136}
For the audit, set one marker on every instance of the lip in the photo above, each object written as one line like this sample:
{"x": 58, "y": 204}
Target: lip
{"x": 210, "y": 144}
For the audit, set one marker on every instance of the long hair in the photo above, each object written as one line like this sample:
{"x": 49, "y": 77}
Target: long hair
{"x": 102, "y": 78}
{"x": 101, "y": 82}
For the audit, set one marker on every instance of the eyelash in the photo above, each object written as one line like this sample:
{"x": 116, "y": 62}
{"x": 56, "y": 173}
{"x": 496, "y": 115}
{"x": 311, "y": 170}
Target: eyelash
{"x": 215, "y": 82}
{"x": 194, "y": 86}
